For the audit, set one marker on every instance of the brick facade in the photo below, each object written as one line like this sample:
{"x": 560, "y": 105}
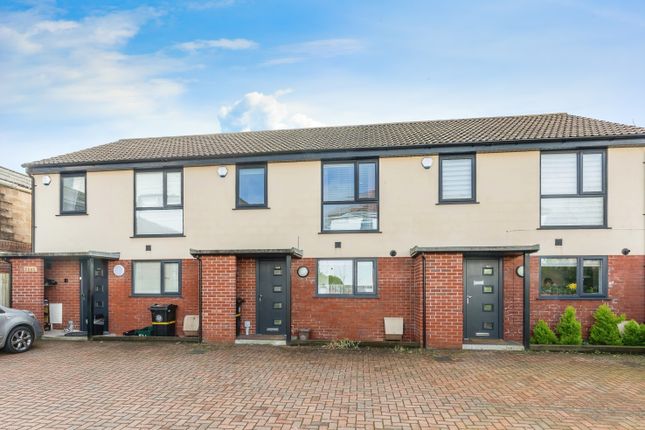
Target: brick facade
{"x": 444, "y": 299}
{"x": 626, "y": 294}
{"x": 27, "y": 281}
{"x": 513, "y": 299}
{"x": 219, "y": 283}
{"x": 67, "y": 274}
{"x": 127, "y": 312}
{"x": 246, "y": 281}
{"x": 353, "y": 318}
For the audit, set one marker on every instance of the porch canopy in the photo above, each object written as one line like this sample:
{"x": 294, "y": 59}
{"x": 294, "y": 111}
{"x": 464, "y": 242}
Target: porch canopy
{"x": 62, "y": 255}
{"x": 260, "y": 252}
{"x": 494, "y": 251}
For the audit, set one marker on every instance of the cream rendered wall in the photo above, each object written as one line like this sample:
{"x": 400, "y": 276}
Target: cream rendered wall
{"x": 507, "y": 212}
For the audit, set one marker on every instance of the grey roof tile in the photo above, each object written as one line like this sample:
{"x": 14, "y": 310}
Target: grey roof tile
{"x": 509, "y": 129}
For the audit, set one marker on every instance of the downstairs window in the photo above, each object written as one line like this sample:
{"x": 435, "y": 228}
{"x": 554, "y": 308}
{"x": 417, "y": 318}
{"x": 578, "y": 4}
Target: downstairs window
{"x": 573, "y": 277}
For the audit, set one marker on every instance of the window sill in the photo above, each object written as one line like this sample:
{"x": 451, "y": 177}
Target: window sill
{"x": 152, "y": 296}
{"x": 346, "y": 296}
{"x": 350, "y": 232}
{"x": 72, "y": 214}
{"x": 139, "y": 236}
{"x": 575, "y": 227}
{"x": 576, "y": 298}
{"x": 458, "y": 202}
{"x": 246, "y": 208}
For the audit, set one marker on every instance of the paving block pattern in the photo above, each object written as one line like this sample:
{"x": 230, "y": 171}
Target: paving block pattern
{"x": 118, "y": 385}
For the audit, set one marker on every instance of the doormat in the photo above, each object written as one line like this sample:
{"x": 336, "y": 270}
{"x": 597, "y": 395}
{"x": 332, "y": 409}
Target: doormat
{"x": 76, "y": 333}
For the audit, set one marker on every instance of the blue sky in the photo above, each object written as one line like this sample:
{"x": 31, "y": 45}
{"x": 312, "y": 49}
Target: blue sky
{"x": 75, "y": 74}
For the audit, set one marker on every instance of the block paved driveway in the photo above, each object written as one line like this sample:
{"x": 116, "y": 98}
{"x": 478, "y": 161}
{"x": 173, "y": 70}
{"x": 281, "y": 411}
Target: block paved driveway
{"x": 176, "y": 386}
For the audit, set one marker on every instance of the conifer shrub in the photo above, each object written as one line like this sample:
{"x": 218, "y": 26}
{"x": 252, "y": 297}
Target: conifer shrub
{"x": 569, "y": 328}
{"x": 543, "y": 335}
{"x": 604, "y": 330}
{"x": 634, "y": 334}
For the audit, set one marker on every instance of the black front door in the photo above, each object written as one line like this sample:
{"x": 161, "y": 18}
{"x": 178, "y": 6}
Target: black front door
{"x": 481, "y": 301}
{"x": 271, "y": 297}
{"x": 99, "y": 323}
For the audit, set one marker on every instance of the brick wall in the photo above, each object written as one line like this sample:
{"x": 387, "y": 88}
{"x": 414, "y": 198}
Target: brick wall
{"x": 354, "y": 318}
{"x": 68, "y": 293}
{"x": 28, "y": 279}
{"x": 444, "y": 297}
{"x": 626, "y": 294}
{"x": 219, "y": 279}
{"x": 127, "y": 312}
{"x": 513, "y": 299}
{"x": 246, "y": 281}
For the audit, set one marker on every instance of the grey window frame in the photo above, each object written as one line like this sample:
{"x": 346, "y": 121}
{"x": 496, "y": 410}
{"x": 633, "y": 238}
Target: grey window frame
{"x": 162, "y": 287}
{"x": 604, "y": 278}
{"x": 165, "y": 205}
{"x": 473, "y": 179}
{"x": 357, "y": 200}
{"x": 579, "y": 192}
{"x": 238, "y": 204}
{"x": 72, "y": 175}
{"x": 354, "y": 294}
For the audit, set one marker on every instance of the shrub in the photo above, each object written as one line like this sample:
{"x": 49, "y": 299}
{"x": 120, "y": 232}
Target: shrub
{"x": 604, "y": 330}
{"x": 634, "y": 334}
{"x": 543, "y": 335}
{"x": 569, "y": 328}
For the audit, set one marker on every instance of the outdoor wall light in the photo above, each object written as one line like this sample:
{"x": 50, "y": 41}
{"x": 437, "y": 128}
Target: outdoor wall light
{"x": 303, "y": 271}
{"x": 222, "y": 171}
{"x": 47, "y": 180}
{"x": 426, "y": 162}
{"x": 520, "y": 271}
{"x": 118, "y": 270}
{"x": 625, "y": 251}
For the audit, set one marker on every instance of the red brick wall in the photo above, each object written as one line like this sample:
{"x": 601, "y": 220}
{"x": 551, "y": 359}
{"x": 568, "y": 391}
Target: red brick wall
{"x": 354, "y": 318}
{"x": 27, "y": 288}
{"x": 68, "y": 293}
{"x": 513, "y": 299}
{"x": 626, "y": 294}
{"x": 219, "y": 275}
{"x": 445, "y": 293}
{"x": 246, "y": 281}
{"x": 127, "y": 312}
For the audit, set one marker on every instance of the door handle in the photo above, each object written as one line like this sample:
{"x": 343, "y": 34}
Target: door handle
{"x": 468, "y": 299}
{"x": 260, "y": 297}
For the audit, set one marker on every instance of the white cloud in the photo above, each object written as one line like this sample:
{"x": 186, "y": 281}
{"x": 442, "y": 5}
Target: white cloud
{"x": 232, "y": 44}
{"x": 69, "y": 84}
{"x": 210, "y": 4}
{"x": 258, "y": 111}
{"x": 323, "y": 48}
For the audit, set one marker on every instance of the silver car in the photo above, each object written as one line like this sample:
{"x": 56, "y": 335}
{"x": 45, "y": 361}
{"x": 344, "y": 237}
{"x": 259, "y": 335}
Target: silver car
{"x": 18, "y": 330}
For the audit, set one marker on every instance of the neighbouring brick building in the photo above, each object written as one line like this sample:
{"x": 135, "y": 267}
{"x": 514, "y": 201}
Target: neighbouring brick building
{"x": 15, "y": 221}
{"x": 468, "y": 231}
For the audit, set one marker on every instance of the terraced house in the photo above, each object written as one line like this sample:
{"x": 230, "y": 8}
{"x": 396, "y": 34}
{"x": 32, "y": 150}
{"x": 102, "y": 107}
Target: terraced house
{"x": 466, "y": 229}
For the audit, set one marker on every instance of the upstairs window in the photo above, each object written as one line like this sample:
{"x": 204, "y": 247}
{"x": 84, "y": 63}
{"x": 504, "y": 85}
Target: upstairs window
{"x": 159, "y": 203}
{"x": 251, "y": 186}
{"x": 350, "y": 196}
{"x": 73, "y": 197}
{"x": 573, "y": 277}
{"x": 573, "y": 189}
{"x": 457, "y": 179}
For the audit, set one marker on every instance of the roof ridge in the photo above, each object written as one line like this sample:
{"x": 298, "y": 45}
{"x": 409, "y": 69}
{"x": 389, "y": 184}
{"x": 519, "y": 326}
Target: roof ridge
{"x": 228, "y": 133}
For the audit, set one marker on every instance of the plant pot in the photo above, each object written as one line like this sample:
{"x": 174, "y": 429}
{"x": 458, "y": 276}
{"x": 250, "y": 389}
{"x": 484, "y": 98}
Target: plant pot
{"x": 303, "y": 334}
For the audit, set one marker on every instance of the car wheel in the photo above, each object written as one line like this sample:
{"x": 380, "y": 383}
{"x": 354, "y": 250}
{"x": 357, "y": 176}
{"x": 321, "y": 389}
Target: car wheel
{"x": 20, "y": 339}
